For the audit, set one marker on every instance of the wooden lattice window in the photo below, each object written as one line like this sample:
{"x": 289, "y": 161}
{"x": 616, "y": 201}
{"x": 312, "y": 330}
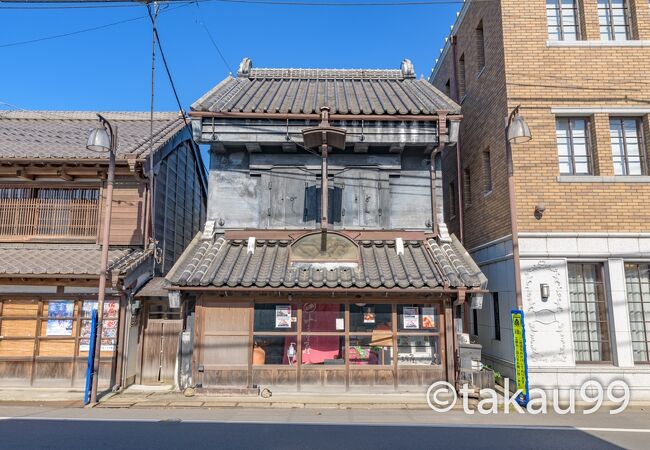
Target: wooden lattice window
{"x": 51, "y": 212}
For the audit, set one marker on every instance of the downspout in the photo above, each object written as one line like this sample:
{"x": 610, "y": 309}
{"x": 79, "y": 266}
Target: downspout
{"x": 442, "y": 141}
{"x": 459, "y": 170}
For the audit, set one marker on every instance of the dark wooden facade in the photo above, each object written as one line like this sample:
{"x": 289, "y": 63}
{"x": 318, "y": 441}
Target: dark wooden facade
{"x": 289, "y": 296}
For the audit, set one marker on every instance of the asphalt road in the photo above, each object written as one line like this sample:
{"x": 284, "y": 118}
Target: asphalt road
{"x": 86, "y": 434}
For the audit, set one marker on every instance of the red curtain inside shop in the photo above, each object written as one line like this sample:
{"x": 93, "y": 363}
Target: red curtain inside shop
{"x": 316, "y": 349}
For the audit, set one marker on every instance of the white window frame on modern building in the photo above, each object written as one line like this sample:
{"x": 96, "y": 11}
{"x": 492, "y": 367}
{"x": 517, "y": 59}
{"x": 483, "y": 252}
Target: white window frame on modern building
{"x": 637, "y": 284}
{"x": 628, "y": 151}
{"x": 574, "y": 151}
{"x": 582, "y": 309}
{"x": 563, "y": 20}
{"x": 614, "y": 20}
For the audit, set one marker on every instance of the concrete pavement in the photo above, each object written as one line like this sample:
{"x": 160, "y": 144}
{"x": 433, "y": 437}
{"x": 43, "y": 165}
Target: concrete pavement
{"x": 314, "y": 428}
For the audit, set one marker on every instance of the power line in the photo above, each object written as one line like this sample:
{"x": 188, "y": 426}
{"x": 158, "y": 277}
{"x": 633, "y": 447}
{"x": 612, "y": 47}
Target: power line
{"x": 85, "y": 30}
{"x": 71, "y": 33}
{"x": 214, "y": 44}
{"x": 126, "y": 4}
{"x": 343, "y": 4}
{"x": 169, "y": 75}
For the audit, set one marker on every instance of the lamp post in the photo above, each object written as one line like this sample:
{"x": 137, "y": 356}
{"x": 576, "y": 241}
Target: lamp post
{"x": 516, "y": 131}
{"x": 324, "y": 136}
{"x": 103, "y": 139}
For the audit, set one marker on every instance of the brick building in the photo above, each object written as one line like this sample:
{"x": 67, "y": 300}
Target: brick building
{"x": 581, "y": 186}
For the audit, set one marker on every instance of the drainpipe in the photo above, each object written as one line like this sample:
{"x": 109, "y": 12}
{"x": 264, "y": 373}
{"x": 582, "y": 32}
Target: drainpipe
{"x": 459, "y": 170}
{"x": 442, "y": 141}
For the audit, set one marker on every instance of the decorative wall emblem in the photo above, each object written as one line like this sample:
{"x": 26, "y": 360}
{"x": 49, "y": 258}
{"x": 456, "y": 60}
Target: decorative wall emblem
{"x": 547, "y": 338}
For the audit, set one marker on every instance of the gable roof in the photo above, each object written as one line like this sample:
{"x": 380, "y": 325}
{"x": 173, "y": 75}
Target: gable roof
{"x": 344, "y": 91}
{"x": 63, "y": 134}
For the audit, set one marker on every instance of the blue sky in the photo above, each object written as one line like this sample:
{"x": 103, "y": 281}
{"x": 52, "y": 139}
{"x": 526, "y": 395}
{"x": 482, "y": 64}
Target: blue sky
{"x": 109, "y": 69}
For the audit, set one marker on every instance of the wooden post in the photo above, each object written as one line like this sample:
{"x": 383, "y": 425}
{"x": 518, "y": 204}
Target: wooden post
{"x": 119, "y": 345}
{"x": 299, "y": 347}
{"x": 395, "y": 349}
{"x": 251, "y": 340}
{"x": 450, "y": 340}
{"x": 347, "y": 347}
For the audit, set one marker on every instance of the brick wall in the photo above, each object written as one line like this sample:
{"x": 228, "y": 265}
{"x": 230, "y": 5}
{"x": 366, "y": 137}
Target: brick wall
{"x": 540, "y": 77}
{"x": 484, "y": 107}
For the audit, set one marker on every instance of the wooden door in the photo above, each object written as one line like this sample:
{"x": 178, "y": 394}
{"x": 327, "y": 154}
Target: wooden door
{"x": 160, "y": 349}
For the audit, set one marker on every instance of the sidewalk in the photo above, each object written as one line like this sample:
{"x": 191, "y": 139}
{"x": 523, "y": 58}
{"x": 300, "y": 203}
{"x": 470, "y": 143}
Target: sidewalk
{"x": 42, "y": 396}
{"x": 137, "y": 397}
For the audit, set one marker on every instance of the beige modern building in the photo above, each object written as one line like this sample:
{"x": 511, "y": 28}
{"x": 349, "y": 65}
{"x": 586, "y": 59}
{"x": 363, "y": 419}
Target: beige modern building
{"x": 581, "y": 195}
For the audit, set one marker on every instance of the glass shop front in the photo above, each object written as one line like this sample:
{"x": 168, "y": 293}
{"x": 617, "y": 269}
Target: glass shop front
{"x": 319, "y": 345}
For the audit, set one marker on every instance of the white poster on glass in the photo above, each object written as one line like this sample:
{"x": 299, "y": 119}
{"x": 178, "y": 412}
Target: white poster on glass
{"x": 411, "y": 318}
{"x": 283, "y": 316}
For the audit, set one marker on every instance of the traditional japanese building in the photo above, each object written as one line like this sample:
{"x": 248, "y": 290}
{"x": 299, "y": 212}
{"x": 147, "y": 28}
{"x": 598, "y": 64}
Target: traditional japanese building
{"x": 52, "y": 203}
{"x": 324, "y": 262}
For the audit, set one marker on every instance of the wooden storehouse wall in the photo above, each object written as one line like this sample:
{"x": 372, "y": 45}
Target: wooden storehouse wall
{"x": 179, "y": 203}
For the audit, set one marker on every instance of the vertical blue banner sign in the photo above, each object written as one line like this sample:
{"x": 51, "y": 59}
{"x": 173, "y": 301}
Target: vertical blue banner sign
{"x": 521, "y": 358}
{"x": 91, "y": 357}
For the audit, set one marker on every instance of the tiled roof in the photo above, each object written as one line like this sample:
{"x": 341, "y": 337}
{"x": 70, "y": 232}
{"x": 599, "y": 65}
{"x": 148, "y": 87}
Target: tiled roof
{"x": 62, "y": 259}
{"x": 344, "y": 91}
{"x": 226, "y": 263}
{"x": 63, "y": 134}
{"x": 156, "y": 287}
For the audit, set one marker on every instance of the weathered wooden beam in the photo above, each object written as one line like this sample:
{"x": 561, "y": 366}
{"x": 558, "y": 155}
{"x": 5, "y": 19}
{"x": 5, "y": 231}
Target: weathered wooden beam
{"x": 24, "y": 175}
{"x": 64, "y": 175}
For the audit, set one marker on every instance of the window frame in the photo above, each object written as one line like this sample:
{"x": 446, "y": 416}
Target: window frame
{"x": 642, "y": 302}
{"x": 641, "y": 142}
{"x": 479, "y": 37}
{"x": 611, "y": 27}
{"x": 462, "y": 78}
{"x": 570, "y": 145}
{"x": 602, "y": 300}
{"x": 560, "y": 8}
{"x": 467, "y": 187}
{"x": 488, "y": 183}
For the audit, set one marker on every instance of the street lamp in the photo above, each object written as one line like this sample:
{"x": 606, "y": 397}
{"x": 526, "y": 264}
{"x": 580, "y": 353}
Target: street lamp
{"x": 324, "y": 136}
{"x": 103, "y": 139}
{"x": 517, "y": 131}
